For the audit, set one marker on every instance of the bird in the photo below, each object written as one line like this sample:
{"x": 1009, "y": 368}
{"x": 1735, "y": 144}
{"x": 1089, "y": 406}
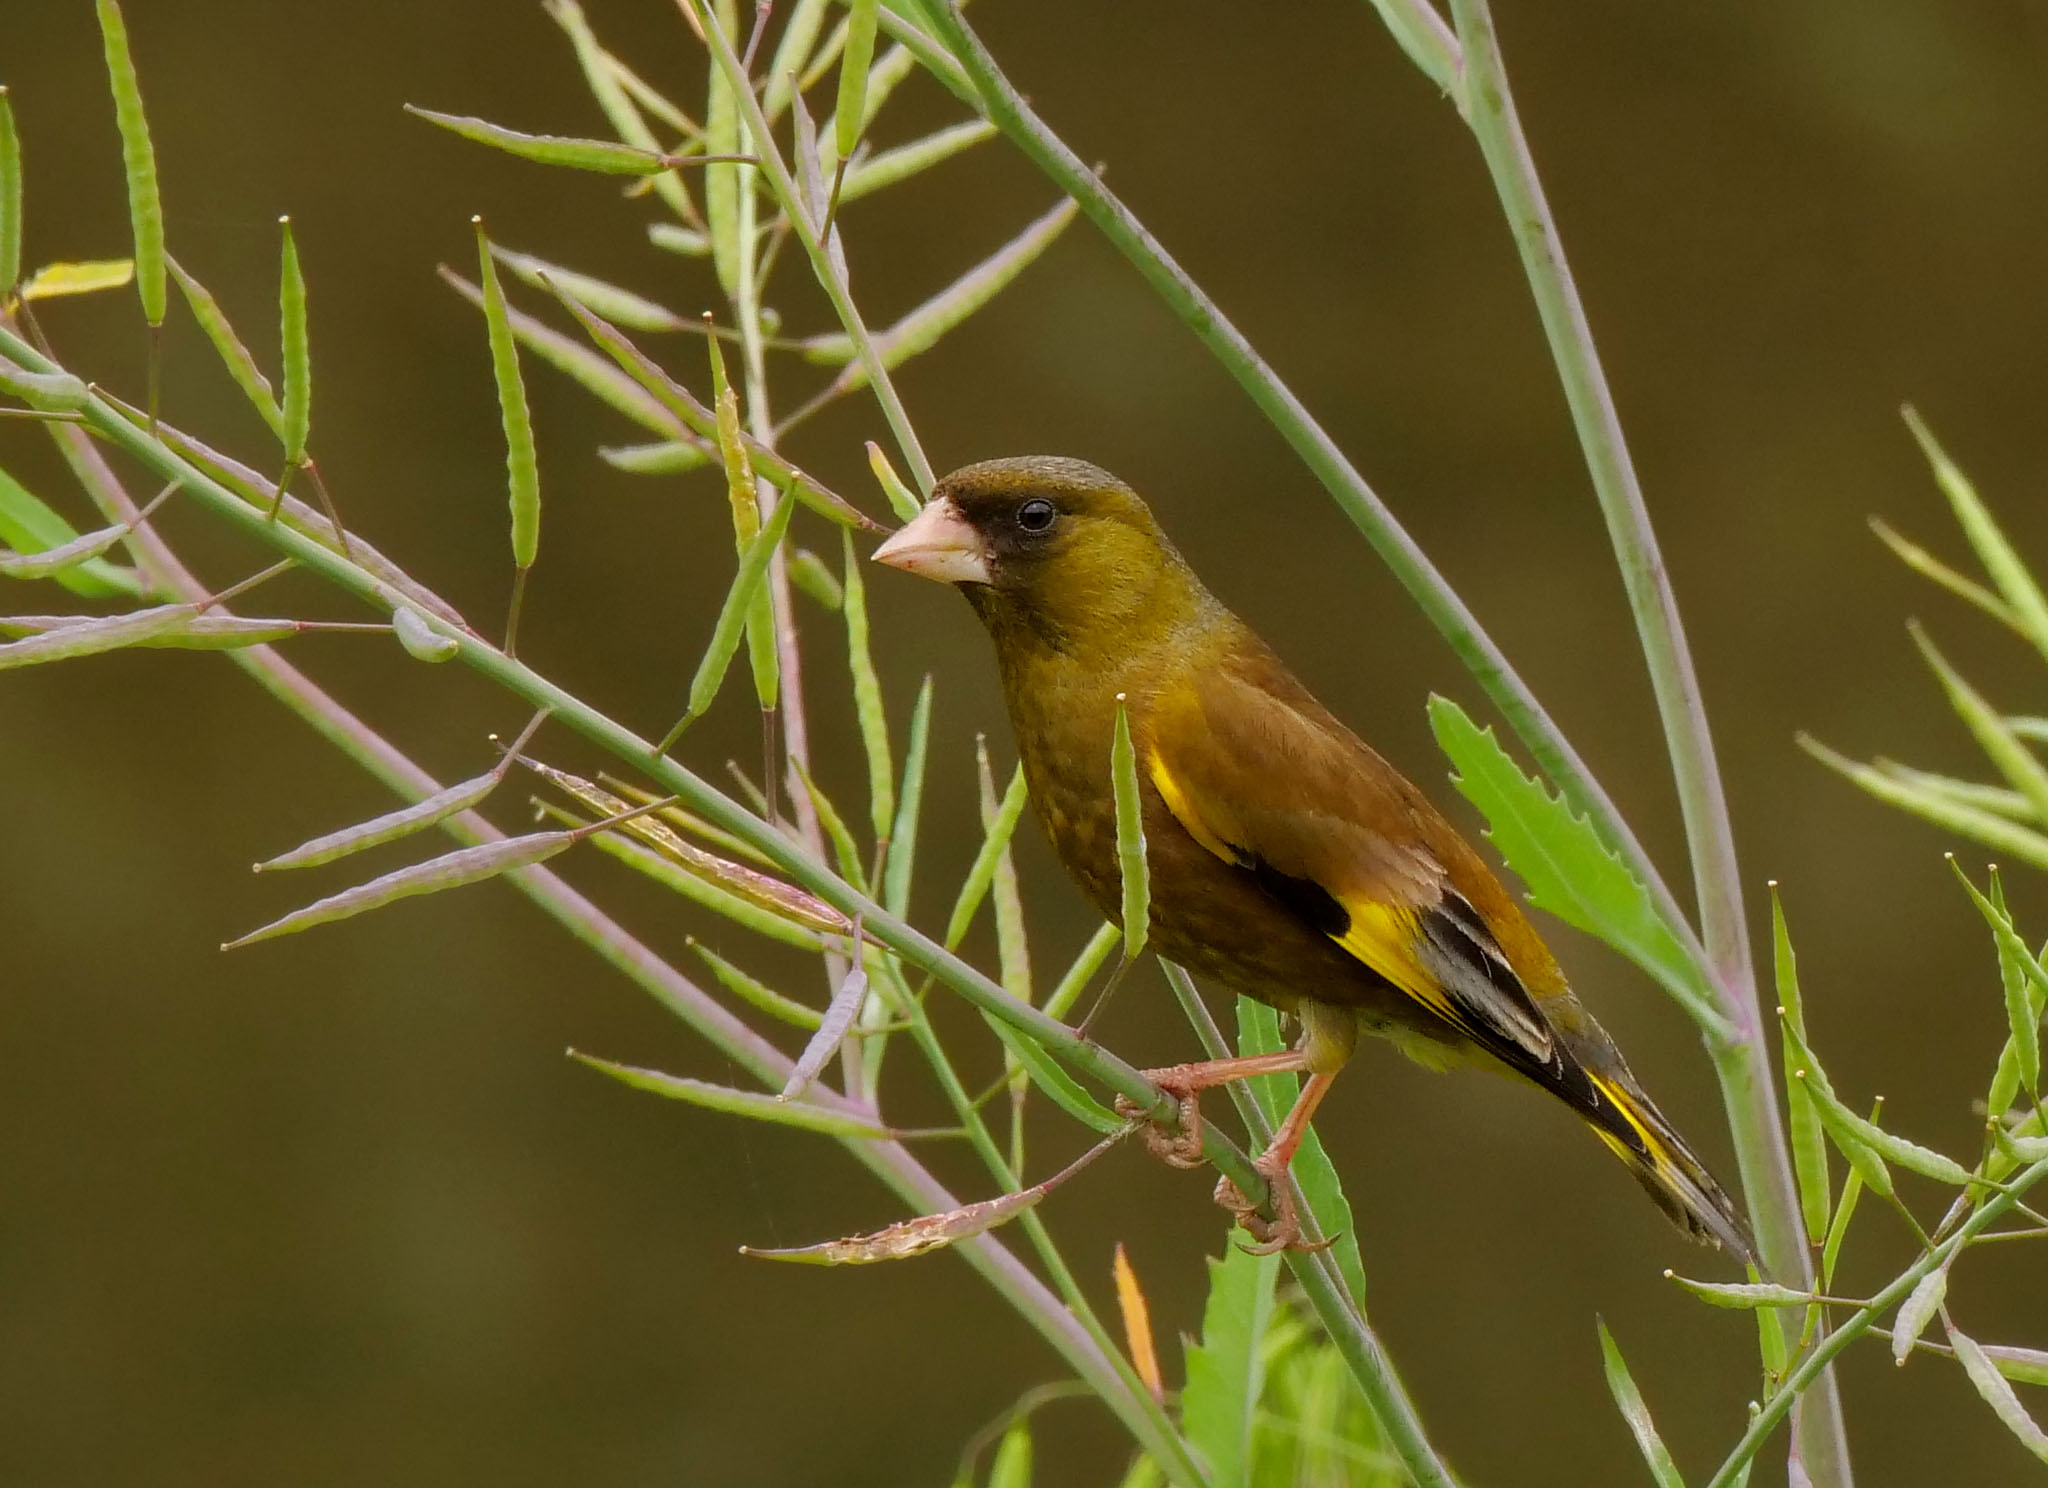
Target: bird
{"x": 1287, "y": 860}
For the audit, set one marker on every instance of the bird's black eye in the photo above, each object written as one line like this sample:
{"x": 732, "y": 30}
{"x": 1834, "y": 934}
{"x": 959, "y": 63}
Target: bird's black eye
{"x": 1036, "y": 514}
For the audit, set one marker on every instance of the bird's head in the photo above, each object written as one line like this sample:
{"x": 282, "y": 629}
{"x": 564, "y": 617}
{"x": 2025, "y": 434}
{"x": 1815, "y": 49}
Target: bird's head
{"x": 1056, "y": 546}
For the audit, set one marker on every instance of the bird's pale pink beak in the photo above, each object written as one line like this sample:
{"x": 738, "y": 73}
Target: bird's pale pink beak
{"x": 939, "y": 544}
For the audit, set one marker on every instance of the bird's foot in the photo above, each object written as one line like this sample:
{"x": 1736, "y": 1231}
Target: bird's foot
{"x": 1179, "y": 1149}
{"x": 1283, "y": 1230}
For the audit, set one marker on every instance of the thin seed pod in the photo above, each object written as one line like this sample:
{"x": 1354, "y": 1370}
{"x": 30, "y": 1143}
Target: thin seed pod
{"x": 1809, "y": 1143}
{"x": 902, "y": 500}
{"x": 844, "y": 848}
{"x": 1917, "y": 1311}
{"x": 54, "y": 562}
{"x": 1130, "y": 835}
{"x": 887, "y": 167}
{"x": 1013, "y": 951}
{"x": 619, "y": 306}
{"x": 981, "y": 873}
{"x": 1997, "y": 832}
{"x": 792, "y": 54}
{"x": 91, "y": 637}
{"x": 47, "y": 392}
{"x": 1928, "y": 566}
{"x": 708, "y": 893}
{"x": 296, "y": 408}
{"x": 832, "y": 1030}
{"x": 884, "y": 78}
{"x": 2028, "y": 1366}
{"x": 234, "y": 353}
{"x": 821, "y": 63}
{"x": 1052, "y": 1080}
{"x": 2005, "y": 566}
{"x": 191, "y": 633}
{"x": 417, "y": 817}
{"x": 2017, "y": 763}
{"x": 466, "y": 865}
{"x": 683, "y": 240}
{"x": 2029, "y": 728}
{"x": 90, "y": 276}
{"x": 522, "y": 466}
{"x": 10, "y": 196}
{"x": 732, "y": 449}
{"x": 695, "y": 825}
{"x": 605, "y": 157}
{"x": 1629, "y": 1400}
{"x": 1137, "y": 1316}
{"x": 747, "y": 587}
{"x": 1997, "y": 1394}
{"x": 1843, "y": 1122}
{"x": 854, "y": 61}
{"x": 1970, "y": 793}
{"x": 867, "y": 697}
{"x": 757, "y": 993}
{"x": 1106, "y": 938}
{"x": 1742, "y": 1295}
{"x": 810, "y": 178}
{"x": 921, "y": 329}
{"x": 591, "y": 372}
{"x": 929, "y": 1232}
{"x": 670, "y": 457}
{"x": 145, "y": 205}
{"x": 897, "y": 874}
{"x": 748, "y": 1103}
{"x": 645, "y": 95}
{"x": 682, "y": 406}
{"x": 2025, "y": 984}
{"x": 722, "y": 185}
{"x": 1838, "y": 1227}
{"x": 811, "y": 575}
{"x": 421, "y": 641}
{"x": 761, "y": 890}
{"x": 602, "y": 73}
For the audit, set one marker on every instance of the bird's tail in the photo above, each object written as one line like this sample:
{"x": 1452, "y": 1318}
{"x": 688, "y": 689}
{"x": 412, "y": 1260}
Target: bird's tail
{"x": 1623, "y": 1118}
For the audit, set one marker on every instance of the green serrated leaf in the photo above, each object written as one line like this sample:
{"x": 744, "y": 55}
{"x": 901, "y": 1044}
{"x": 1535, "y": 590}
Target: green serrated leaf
{"x": 1226, "y": 1370}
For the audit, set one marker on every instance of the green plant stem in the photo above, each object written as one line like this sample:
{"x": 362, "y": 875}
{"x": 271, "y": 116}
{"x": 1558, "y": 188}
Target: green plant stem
{"x": 1863, "y": 1319}
{"x": 997, "y": 99}
{"x": 1743, "y": 1061}
{"x": 790, "y": 199}
{"x": 1087, "y": 1350}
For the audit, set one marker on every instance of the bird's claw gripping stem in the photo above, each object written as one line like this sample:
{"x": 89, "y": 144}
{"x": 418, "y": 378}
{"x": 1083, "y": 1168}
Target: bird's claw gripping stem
{"x": 1283, "y": 1230}
{"x": 1179, "y": 1149}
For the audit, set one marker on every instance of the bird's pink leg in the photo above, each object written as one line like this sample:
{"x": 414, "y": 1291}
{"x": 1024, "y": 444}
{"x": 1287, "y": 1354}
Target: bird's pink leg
{"x": 1284, "y": 1232}
{"x": 1185, "y": 1082}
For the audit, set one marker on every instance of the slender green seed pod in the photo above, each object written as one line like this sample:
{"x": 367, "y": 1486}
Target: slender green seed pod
{"x": 522, "y": 464}
{"x": 296, "y": 409}
{"x": 138, "y": 156}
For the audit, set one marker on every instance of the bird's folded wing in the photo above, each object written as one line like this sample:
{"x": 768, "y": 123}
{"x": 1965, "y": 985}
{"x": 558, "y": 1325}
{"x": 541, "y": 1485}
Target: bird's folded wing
{"x": 1268, "y": 781}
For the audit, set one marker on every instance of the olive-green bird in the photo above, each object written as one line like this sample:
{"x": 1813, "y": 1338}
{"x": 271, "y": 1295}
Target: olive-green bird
{"x": 1287, "y": 860}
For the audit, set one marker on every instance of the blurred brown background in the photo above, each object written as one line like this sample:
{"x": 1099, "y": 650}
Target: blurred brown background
{"x": 336, "y": 1210}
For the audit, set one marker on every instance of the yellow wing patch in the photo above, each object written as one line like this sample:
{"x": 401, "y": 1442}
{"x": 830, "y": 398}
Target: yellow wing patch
{"x": 1183, "y": 809}
{"x": 1384, "y": 937}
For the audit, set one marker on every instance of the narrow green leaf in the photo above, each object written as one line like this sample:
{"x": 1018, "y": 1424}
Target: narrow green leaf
{"x": 522, "y": 465}
{"x": 844, "y": 848}
{"x": 1621, "y": 1384}
{"x": 421, "y": 641}
{"x": 234, "y": 353}
{"x": 747, "y": 586}
{"x": 2005, "y": 566}
{"x": 10, "y": 196}
{"x": 921, "y": 329}
{"x": 832, "y": 1030}
{"x": 854, "y": 61}
{"x": 670, "y": 457}
{"x": 1917, "y": 1311}
{"x": 1997, "y": 1394}
{"x": 1969, "y": 793}
{"x": 296, "y": 409}
{"x": 466, "y": 865}
{"x": 1928, "y": 566}
{"x": 748, "y": 1103}
{"x": 2025, "y": 984}
{"x": 1809, "y": 1143}
{"x": 2017, "y": 763}
{"x": 885, "y": 168}
{"x": 389, "y": 827}
{"x": 1130, "y": 835}
{"x": 1081, "y": 972}
{"x": 1012, "y": 1467}
{"x": 757, "y": 993}
{"x": 981, "y": 873}
{"x": 58, "y": 280}
{"x": 606, "y": 157}
{"x": 901, "y": 499}
{"x": 1569, "y": 871}
{"x": 619, "y": 306}
{"x": 138, "y": 157}
{"x": 1226, "y": 1370}
{"x": 897, "y": 874}
{"x": 1994, "y": 831}
{"x": 816, "y": 580}
{"x": 867, "y": 696}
